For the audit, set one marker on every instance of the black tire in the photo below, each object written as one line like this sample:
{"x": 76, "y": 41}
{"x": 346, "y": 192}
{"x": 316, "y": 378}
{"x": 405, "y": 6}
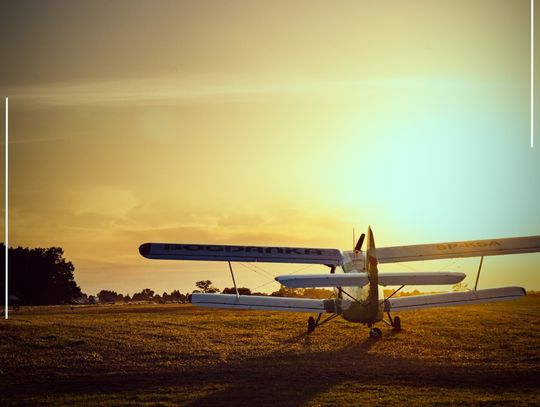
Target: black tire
{"x": 375, "y": 333}
{"x": 397, "y": 323}
{"x": 310, "y": 325}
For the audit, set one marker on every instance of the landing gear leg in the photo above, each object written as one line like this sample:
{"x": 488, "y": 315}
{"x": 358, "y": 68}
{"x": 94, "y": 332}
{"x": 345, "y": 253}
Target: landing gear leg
{"x": 394, "y": 322}
{"x": 313, "y": 323}
{"x": 397, "y": 323}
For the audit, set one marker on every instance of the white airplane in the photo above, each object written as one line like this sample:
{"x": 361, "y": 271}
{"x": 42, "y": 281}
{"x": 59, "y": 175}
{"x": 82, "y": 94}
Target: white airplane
{"x": 357, "y": 297}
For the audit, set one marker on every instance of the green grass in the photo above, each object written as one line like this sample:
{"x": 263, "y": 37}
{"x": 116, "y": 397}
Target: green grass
{"x": 181, "y": 355}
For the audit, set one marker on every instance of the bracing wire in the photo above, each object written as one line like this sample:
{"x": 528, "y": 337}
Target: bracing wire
{"x": 259, "y": 271}
{"x": 263, "y": 285}
{"x": 443, "y": 268}
{"x": 263, "y": 270}
{"x": 302, "y": 269}
{"x": 253, "y": 268}
{"x": 454, "y": 261}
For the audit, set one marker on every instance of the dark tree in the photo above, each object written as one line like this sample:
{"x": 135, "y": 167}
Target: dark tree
{"x": 287, "y": 292}
{"x": 144, "y": 295}
{"x": 316, "y": 293}
{"x": 241, "y": 291}
{"x": 40, "y": 276}
{"x": 176, "y": 296}
{"x": 148, "y": 293}
{"x": 107, "y": 296}
{"x": 206, "y": 286}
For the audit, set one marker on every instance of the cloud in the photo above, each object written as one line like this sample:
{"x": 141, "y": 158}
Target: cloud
{"x": 105, "y": 200}
{"x": 34, "y": 140}
{"x": 173, "y": 90}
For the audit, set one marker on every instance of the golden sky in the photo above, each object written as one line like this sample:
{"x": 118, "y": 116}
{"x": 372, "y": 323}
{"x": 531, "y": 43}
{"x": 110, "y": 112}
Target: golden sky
{"x": 283, "y": 123}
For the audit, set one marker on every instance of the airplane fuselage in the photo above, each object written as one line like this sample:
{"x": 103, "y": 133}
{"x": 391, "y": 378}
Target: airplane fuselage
{"x": 360, "y": 304}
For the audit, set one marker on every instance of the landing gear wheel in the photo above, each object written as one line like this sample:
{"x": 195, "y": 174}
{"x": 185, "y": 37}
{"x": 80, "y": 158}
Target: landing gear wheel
{"x": 375, "y": 333}
{"x": 311, "y": 325}
{"x": 397, "y": 323}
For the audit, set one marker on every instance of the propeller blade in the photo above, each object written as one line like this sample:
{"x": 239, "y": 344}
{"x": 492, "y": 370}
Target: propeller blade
{"x": 360, "y": 242}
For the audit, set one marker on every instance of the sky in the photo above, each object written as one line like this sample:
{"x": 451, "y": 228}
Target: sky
{"x": 267, "y": 123}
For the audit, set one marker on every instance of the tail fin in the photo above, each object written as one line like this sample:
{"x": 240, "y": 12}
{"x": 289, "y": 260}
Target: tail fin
{"x": 372, "y": 301}
{"x": 371, "y": 253}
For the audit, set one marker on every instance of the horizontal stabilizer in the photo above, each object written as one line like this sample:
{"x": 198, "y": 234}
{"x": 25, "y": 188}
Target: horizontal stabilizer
{"x": 212, "y": 252}
{"x": 453, "y": 299}
{"x": 258, "y": 302}
{"x": 420, "y": 278}
{"x": 361, "y": 279}
{"x": 324, "y": 280}
{"x": 471, "y": 248}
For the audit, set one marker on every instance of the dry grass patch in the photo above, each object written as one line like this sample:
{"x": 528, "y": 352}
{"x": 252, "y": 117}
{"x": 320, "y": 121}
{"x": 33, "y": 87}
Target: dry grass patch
{"x": 181, "y": 355}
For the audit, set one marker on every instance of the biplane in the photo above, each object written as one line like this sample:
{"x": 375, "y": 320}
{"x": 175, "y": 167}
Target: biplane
{"x": 354, "y": 275}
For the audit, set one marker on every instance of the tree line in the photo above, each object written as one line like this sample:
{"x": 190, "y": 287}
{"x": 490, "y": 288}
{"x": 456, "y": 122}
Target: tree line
{"x": 206, "y": 286}
{"x": 109, "y": 296}
{"x": 203, "y": 286}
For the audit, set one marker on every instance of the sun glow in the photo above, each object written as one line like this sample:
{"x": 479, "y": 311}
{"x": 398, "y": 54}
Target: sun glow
{"x": 236, "y": 124}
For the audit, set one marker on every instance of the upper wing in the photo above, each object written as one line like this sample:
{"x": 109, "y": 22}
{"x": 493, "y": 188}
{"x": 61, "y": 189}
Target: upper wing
{"x": 453, "y": 299}
{"x": 206, "y": 252}
{"x": 258, "y": 302}
{"x": 471, "y": 248}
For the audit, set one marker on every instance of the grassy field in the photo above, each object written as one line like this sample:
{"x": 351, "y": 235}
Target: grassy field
{"x": 181, "y": 355}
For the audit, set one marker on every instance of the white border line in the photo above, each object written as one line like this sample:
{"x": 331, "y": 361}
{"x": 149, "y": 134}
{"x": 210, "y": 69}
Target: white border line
{"x": 6, "y": 209}
{"x": 532, "y": 73}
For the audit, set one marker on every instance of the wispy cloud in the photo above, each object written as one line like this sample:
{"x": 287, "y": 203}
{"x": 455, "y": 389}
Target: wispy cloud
{"x": 149, "y": 91}
{"x": 34, "y": 140}
{"x": 167, "y": 90}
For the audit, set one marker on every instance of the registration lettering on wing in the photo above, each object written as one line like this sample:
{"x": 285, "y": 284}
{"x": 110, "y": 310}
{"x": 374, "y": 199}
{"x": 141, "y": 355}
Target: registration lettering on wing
{"x": 242, "y": 249}
{"x": 466, "y": 245}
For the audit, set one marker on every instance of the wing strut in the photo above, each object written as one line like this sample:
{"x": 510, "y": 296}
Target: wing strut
{"x": 396, "y": 321}
{"x": 478, "y": 275}
{"x": 391, "y": 295}
{"x": 348, "y": 295}
{"x": 233, "y": 280}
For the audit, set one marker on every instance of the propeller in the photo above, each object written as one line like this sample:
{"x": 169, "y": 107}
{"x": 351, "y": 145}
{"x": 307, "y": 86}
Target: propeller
{"x": 360, "y": 242}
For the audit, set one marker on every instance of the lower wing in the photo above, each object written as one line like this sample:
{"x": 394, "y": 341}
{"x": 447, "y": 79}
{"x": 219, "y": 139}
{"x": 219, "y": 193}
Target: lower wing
{"x": 258, "y": 302}
{"x": 453, "y": 299}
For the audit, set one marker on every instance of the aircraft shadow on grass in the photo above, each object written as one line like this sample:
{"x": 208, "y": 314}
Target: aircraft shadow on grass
{"x": 285, "y": 378}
